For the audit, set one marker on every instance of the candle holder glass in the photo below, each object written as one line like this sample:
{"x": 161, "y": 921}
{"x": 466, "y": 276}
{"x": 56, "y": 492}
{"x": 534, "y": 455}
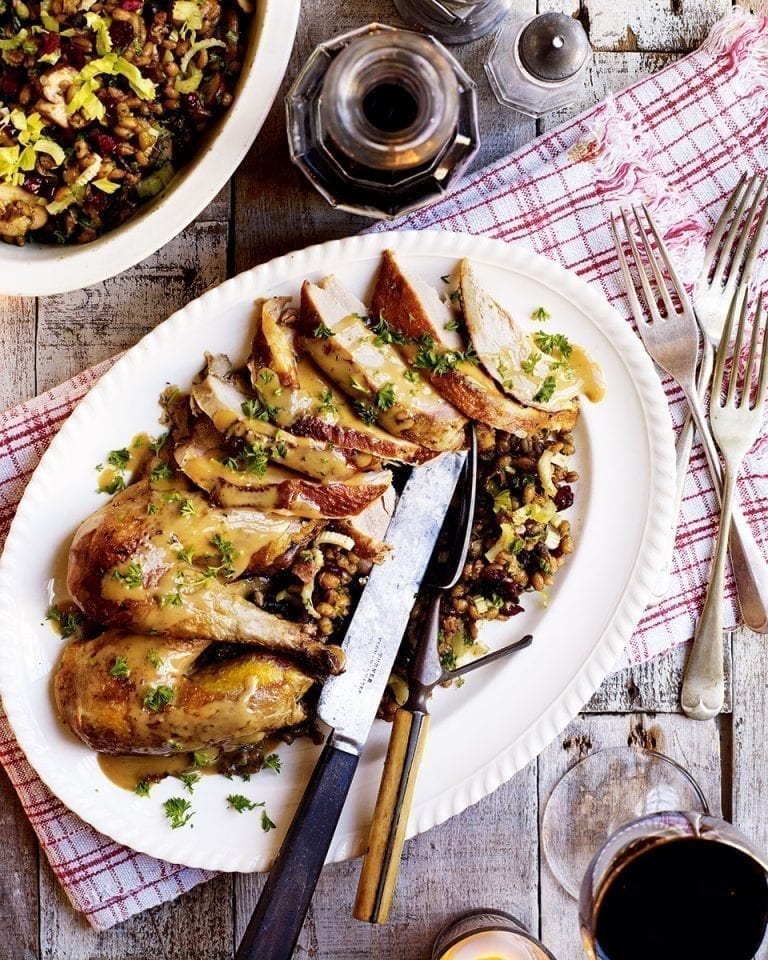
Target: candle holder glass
{"x": 382, "y": 120}
{"x": 487, "y": 934}
{"x": 454, "y": 21}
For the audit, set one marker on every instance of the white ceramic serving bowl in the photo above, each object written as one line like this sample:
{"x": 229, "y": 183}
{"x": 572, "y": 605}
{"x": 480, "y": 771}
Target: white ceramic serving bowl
{"x": 38, "y": 269}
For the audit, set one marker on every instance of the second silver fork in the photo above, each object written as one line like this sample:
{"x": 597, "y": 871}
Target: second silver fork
{"x": 736, "y": 422}
{"x": 672, "y": 342}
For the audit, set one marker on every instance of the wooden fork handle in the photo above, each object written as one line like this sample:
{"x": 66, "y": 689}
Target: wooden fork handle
{"x": 381, "y": 866}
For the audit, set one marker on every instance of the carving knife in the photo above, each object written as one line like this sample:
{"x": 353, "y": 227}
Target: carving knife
{"x": 348, "y": 704}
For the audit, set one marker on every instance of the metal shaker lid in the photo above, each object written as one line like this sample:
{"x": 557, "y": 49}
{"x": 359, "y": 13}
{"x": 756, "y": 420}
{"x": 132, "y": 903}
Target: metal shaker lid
{"x": 553, "y": 47}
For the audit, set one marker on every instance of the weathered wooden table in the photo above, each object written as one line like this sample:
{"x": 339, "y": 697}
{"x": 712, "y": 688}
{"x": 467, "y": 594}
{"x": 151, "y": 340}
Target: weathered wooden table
{"x": 490, "y": 855}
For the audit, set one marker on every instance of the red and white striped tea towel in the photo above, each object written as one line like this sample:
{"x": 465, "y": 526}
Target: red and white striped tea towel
{"x": 677, "y": 141}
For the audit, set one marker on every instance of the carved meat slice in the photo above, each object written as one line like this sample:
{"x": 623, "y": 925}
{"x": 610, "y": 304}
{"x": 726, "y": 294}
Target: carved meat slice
{"x": 373, "y": 374}
{"x": 164, "y": 560}
{"x": 221, "y": 395}
{"x": 203, "y": 459}
{"x": 160, "y": 703}
{"x": 314, "y": 407}
{"x": 428, "y": 325}
{"x": 537, "y": 374}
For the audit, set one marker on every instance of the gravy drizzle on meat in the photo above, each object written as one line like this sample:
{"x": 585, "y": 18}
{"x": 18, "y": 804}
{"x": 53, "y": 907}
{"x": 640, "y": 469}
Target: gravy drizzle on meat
{"x": 216, "y": 585}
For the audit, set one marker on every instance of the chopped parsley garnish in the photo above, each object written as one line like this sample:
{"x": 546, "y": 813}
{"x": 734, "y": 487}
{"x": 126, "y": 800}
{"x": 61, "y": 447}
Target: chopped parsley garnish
{"x": 411, "y": 376}
{"x": 327, "y": 403}
{"x": 240, "y": 803}
{"x": 437, "y": 360}
{"x": 451, "y": 325}
{"x": 151, "y": 509}
{"x": 258, "y": 410}
{"x": 448, "y": 660}
{"x": 158, "y": 443}
{"x": 455, "y": 296}
{"x": 540, "y": 315}
{"x": 545, "y": 391}
{"x": 142, "y": 788}
{"x": 178, "y": 811}
{"x": 529, "y": 365}
{"x": 266, "y": 376}
{"x": 365, "y": 411}
{"x": 68, "y": 622}
{"x": 162, "y": 471}
{"x": 273, "y": 762}
{"x": 385, "y": 398}
{"x": 385, "y": 333}
{"x": 279, "y": 448}
{"x": 119, "y": 458}
{"x": 356, "y": 385}
{"x": 250, "y": 408}
{"x": 204, "y": 757}
{"x": 171, "y": 600}
{"x": 132, "y": 577}
{"x": 321, "y": 332}
{"x": 254, "y": 459}
{"x": 551, "y": 343}
{"x": 157, "y": 698}
{"x": 119, "y": 668}
{"x": 189, "y": 780}
{"x": 227, "y": 553}
{"x": 114, "y": 486}
{"x": 187, "y": 508}
{"x": 266, "y": 823}
{"x": 186, "y": 554}
{"x": 154, "y": 658}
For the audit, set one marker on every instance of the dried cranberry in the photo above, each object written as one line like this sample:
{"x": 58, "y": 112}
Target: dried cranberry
{"x": 33, "y": 182}
{"x": 106, "y": 144}
{"x": 76, "y": 57}
{"x": 132, "y": 5}
{"x": 51, "y": 42}
{"x": 195, "y": 107}
{"x": 563, "y": 498}
{"x": 10, "y": 84}
{"x": 510, "y": 610}
{"x": 121, "y": 33}
{"x": 491, "y": 576}
{"x": 508, "y": 590}
{"x": 98, "y": 201}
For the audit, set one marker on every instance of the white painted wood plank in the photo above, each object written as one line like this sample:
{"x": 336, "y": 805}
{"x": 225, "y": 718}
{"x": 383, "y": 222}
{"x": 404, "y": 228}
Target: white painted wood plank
{"x": 651, "y": 24}
{"x": 17, "y": 349}
{"x": 197, "y": 926}
{"x": 78, "y": 329}
{"x": 750, "y": 745}
{"x": 696, "y": 746}
{"x": 487, "y": 856}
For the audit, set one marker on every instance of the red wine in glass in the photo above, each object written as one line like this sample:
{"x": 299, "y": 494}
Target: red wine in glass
{"x": 671, "y": 886}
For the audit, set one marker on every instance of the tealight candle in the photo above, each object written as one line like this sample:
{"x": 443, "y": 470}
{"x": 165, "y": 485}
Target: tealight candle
{"x": 487, "y": 935}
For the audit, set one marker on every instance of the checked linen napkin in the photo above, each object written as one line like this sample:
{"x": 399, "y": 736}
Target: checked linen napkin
{"x": 678, "y": 141}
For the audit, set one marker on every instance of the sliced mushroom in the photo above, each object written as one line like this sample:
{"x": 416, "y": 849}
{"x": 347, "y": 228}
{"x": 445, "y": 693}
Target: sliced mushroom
{"x": 20, "y": 211}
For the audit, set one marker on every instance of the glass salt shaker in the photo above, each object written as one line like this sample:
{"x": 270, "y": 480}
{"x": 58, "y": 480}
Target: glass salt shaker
{"x": 454, "y": 21}
{"x": 382, "y": 120}
{"x": 537, "y": 64}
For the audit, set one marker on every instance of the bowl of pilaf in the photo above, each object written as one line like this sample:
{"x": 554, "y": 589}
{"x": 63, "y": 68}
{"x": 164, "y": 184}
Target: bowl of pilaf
{"x": 120, "y": 120}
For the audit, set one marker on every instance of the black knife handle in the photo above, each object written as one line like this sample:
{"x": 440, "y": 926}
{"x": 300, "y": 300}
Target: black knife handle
{"x": 277, "y": 920}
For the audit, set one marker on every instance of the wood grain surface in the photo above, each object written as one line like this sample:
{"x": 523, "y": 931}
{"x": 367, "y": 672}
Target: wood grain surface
{"x": 491, "y": 854}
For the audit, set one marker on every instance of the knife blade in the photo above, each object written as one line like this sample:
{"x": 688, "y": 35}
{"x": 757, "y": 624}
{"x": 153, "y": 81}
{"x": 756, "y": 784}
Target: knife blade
{"x": 348, "y": 704}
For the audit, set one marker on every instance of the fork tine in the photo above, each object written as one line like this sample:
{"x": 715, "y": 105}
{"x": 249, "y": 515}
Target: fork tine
{"x": 763, "y": 381}
{"x": 730, "y": 238}
{"x": 679, "y": 288}
{"x": 746, "y": 236}
{"x": 653, "y": 260}
{"x": 751, "y": 368}
{"x": 722, "y": 352}
{"x": 736, "y": 352}
{"x": 629, "y": 283}
{"x": 644, "y": 282}
{"x": 749, "y": 262}
{"x": 720, "y": 226}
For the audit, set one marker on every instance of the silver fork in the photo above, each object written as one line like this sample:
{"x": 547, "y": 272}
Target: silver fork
{"x": 672, "y": 342}
{"x": 725, "y": 273}
{"x": 736, "y": 420}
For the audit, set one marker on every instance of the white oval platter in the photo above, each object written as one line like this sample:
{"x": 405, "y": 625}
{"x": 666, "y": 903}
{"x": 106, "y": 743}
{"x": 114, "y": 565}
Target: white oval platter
{"x": 481, "y": 733}
{"x": 37, "y": 269}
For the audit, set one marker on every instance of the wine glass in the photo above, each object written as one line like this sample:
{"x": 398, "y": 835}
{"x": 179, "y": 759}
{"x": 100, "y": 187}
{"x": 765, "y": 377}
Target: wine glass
{"x": 454, "y": 21}
{"x": 487, "y": 935}
{"x": 628, "y": 832}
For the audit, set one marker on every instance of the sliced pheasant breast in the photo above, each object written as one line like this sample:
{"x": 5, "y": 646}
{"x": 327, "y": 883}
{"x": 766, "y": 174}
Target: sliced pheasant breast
{"x": 303, "y": 400}
{"x": 541, "y": 368}
{"x": 372, "y": 373}
{"x": 430, "y": 341}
